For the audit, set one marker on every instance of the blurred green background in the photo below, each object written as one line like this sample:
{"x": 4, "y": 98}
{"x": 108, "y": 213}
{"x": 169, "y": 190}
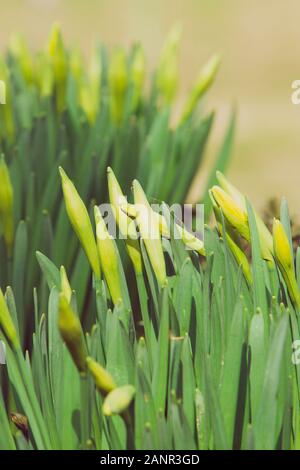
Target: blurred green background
{"x": 258, "y": 41}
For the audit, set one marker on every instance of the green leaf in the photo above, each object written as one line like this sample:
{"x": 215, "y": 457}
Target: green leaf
{"x": 50, "y": 271}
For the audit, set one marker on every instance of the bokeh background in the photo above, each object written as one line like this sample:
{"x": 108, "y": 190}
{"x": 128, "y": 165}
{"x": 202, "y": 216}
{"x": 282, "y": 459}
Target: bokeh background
{"x": 258, "y": 40}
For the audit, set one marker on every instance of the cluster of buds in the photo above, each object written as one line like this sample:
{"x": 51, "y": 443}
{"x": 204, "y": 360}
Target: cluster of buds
{"x": 227, "y": 200}
{"x": 151, "y": 226}
{"x": 7, "y": 128}
{"x": 284, "y": 257}
{"x": 58, "y": 72}
{"x": 233, "y": 206}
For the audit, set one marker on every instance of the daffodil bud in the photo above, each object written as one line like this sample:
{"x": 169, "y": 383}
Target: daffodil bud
{"x": 149, "y": 230}
{"x": 265, "y": 237}
{"x": 109, "y": 258}
{"x": 58, "y": 58}
{"x": 167, "y": 73}
{"x": 230, "y": 189}
{"x": 203, "y": 82}
{"x": 87, "y": 102}
{"x": 80, "y": 221}
{"x": 239, "y": 255}
{"x": 118, "y": 400}
{"x": 94, "y": 74}
{"x": 20, "y": 52}
{"x": 235, "y": 216}
{"x": 192, "y": 242}
{"x": 65, "y": 285}
{"x": 282, "y": 247}
{"x": 118, "y": 80}
{"x": 283, "y": 256}
{"x": 89, "y": 88}
{"x": 7, "y": 324}
{"x": 6, "y": 205}
{"x": 137, "y": 75}
{"x": 126, "y": 225}
{"x": 103, "y": 380}
{"x": 72, "y": 334}
{"x": 44, "y": 75}
{"x": 76, "y": 64}
{"x": 7, "y": 128}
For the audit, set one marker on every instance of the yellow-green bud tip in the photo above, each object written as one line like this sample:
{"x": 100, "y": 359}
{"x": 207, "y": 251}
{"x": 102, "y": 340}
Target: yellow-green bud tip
{"x": 118, "y": 400}
{"x": 103, "y": 380}
{"x": 282, "y": 247}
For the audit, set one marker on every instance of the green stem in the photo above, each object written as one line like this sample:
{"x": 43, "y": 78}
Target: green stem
{"x": 143, "y": 297}
{"x": 27, "y": 381}
{"x": 130, "y": 445}
{"x": 84, "y": 412}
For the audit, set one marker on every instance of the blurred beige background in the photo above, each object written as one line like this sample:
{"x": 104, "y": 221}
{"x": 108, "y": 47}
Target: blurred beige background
{"x": 259, "y": 41}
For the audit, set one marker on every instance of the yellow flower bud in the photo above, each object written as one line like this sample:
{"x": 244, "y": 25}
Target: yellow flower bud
{"x": 203, "y": 82}
{"x": 19, "y": 50}
{"x": 87, "y": 102}
{"x": 137, "y": 73}
{"x": 149, "y": 229}
{"x": 80, "y": 221}
{"x": 265, "y": 237}
{"x": 282, "y": 247}
{"x": 76, "y": 64}
{"x": 192, "y": 242}
{"x": 7, "y": 128}
{"x": 283, "y": 256}
{"x": 231, "y": 190}
{"x": 72, "y": 334}
{"x": 58, "y": 58}
{"x": 6, "y": 205}
{"x": 126, "y": 225}
{"x": 94, "y": 75}
{"x": 89, "y": 88}
{"x": 65, "y": 285}
{"x": 103, "y": 380}
{"x": 235, "y": 216}
{"x": 239, "y": 255}
{"x": 109, "y": 258}
{"x": 44, "y": 75}
{"x": 167, "y": 73}
{"x": 118, "y": 400}
{"x": 6, "y": 323}
{"x": 118, "y": 80}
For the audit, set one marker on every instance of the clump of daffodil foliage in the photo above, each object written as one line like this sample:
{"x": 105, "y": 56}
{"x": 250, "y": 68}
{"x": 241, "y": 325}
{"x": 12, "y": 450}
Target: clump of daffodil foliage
{"x": 207, "y": 356}
{"x": 83, "y": 115}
